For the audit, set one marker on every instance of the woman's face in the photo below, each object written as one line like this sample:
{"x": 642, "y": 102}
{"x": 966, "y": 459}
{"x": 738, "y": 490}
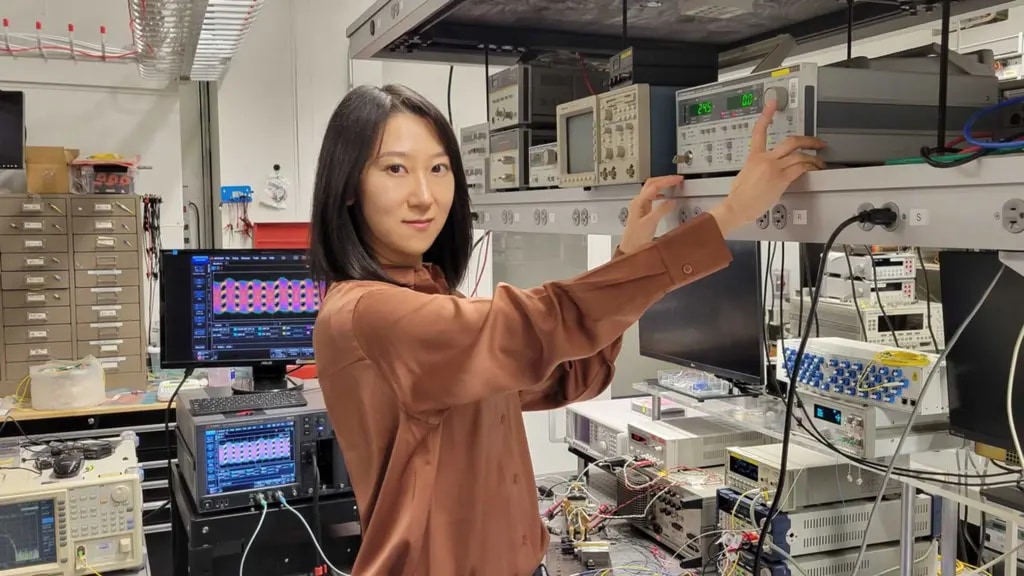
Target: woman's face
{"x": 406, "y": 192}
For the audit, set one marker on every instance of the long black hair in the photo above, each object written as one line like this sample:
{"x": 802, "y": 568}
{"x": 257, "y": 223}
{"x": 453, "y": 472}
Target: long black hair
{"x": 338, "y": 250}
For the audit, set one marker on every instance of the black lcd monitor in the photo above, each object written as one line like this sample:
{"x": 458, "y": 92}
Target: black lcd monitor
{"x": 715, "y": 324}
{"x": 237, "y": 308}
{"x": 978, "y": 365}
{"x": 12, "y": 130}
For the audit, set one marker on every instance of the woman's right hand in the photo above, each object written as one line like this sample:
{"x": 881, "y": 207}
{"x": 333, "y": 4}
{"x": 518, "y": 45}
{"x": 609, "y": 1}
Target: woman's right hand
{"x": 766, "y": 174}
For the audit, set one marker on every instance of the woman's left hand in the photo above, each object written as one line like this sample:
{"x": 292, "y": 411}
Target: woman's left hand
{"x": 645, "y": 213}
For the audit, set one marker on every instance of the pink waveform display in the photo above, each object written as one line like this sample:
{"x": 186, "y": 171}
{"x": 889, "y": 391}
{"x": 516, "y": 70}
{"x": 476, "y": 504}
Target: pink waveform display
{"x": 260, "y": 297}
{"x": 254, "y": 451}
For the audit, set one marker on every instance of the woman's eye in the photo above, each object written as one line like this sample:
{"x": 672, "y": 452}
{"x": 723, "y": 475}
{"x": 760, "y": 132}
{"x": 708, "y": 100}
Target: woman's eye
{"x": 440, "y": 169}
{"x": 396, "y": 169}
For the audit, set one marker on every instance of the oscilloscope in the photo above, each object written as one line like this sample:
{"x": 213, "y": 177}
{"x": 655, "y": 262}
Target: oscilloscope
{"x": 228, "y": 460}
{"x": 237, "y": 308}
{"x": 88, "y": 524}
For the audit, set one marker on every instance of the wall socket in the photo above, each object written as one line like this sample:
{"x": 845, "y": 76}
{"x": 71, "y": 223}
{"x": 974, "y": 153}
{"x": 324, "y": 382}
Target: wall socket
{"x": 1013, "y": 216}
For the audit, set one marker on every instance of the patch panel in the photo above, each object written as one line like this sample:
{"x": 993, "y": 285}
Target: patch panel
{"x": 871, "y": 373}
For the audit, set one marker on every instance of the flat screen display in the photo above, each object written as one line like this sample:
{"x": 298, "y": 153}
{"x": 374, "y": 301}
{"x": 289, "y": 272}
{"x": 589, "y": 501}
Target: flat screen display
{"x": 250, "y": 457}
{"x": 12, "y": 130}
{"x": 978, "y": 366}
{"x": 28, "y": 534}
{"x": 715, "y": 324}
{"x": 580, "y": 143}
{"x": 236, "y": 307}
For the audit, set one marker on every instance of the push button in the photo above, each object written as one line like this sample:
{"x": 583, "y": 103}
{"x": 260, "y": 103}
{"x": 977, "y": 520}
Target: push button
{"x": 687, "y": 269}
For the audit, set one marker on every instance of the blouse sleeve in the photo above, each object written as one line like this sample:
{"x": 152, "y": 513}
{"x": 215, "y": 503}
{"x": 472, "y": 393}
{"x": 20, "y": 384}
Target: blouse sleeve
{"x": 438, "y": 351}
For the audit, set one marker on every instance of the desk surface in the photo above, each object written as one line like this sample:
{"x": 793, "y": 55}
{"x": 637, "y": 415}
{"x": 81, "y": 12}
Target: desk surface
{"x": 116, "y": 404}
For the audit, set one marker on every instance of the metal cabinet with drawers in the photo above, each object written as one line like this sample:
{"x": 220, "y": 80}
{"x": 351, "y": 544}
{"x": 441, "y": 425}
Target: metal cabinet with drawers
{"x": 71, "y": 278}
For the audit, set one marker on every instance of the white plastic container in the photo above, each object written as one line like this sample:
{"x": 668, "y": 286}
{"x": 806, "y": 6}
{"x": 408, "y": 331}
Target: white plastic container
{"x": 63, "y": 385}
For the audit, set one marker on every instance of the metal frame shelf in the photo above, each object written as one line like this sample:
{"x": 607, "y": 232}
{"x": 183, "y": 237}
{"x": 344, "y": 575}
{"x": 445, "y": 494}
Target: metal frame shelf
{"x": 942, "y": 208}
{"x": 437, "y": 31}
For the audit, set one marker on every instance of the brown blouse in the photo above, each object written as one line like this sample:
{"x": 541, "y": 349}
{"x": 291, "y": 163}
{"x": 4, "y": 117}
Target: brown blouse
{"x": 426, "y": 390}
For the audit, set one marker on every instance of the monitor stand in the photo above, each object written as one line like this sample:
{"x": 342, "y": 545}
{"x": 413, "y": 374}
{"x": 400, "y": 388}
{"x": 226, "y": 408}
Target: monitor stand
{"x": 266, "y": 379}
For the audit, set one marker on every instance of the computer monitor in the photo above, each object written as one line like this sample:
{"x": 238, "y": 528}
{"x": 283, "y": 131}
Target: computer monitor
{"x": 978, "y": 366}
{"x": 715, "y": 324}
{"x": 231, "y": 308}
{"x": 12, "y": 130}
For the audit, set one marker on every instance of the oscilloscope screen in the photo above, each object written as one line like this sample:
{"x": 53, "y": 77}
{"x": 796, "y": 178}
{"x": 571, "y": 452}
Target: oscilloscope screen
{"x": 241, "y": 306}
{"x": 27, "y": 534}
{"x": 250, "y": 457}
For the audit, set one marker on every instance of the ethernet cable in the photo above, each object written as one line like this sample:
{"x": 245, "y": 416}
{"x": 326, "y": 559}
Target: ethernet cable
{"x": 259, "y": 525}
{"x": 309, "y": 530}
{"x": 913, "y": 414}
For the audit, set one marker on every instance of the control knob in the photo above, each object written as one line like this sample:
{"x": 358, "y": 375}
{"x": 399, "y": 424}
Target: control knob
{"x": 548, "y": 157}
{"x": 602, "y": 446}
{"x": 778, "y": 94}
{"x": 120, "y": 494}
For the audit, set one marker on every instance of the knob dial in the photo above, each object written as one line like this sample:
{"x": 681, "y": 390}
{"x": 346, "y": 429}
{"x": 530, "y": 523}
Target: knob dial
{"x": 602, "y": 446}
{"x": 779, "y": 95}
{"x": 550, "y": 157}
{"x": 120, "y": 494}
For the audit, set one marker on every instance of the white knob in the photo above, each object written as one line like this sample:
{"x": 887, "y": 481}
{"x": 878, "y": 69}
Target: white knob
{"x": 602, "y": 446}
{"x": 779, "y": 95}
{"x": 120, "y": 494}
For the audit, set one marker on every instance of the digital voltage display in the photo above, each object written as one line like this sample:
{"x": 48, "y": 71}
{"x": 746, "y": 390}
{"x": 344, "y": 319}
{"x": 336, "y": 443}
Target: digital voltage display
{"x": 701, "y": 108}
{"x": 828, "y": 414}
{"x": 740, "y": 101}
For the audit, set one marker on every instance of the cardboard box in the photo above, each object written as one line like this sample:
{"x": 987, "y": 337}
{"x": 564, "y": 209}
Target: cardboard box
{"x": 47, "y": 170}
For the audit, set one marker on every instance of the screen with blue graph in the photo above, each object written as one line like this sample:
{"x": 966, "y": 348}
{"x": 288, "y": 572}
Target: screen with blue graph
{"x": 250, "y": 457}
{"x": 236, "y": 307}
{"x": 28, "y": 534}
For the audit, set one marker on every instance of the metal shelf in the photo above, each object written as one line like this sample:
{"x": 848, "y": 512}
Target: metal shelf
{"x": 456, "y": 31}
{"x": 941, "y": 208}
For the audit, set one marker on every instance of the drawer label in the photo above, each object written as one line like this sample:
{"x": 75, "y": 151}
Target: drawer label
{"x": 114, "y": 362}
{"x": 105, "y": 290}
{"x": 32, "y": 226}
{"x": 107, "y": 325}
{"x": 35, "y": 280}
{"x": 107, "y": 314}
{"x": 35, "y": 261}
{"x": 31, "y": 298}
{"x": 113, "y": 307}
{"x": 104, "y": 225}
{"x": 109, "y": 348}
{"x": 37, "y": 315}
{"x": 105, "y": 241}
{"x": 31, "y": 207}
{"x": 104, "y": 272}
{"x": 33, "y": 244}
{"x": 102, "y": 207}
{"x": 105, "y": 342}
{"x": 38, "y": 333}
{"x": 39, "y": 352}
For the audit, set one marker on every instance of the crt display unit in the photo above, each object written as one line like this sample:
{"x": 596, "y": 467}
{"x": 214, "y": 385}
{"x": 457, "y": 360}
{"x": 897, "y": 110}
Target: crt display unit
{"x": 978, "y": 367}
{"x": 237, "y": 308}
{"x": 714, "y": 324}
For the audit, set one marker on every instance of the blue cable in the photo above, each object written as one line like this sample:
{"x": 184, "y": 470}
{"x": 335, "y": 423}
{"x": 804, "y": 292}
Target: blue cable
{"x": 969, "y": 126}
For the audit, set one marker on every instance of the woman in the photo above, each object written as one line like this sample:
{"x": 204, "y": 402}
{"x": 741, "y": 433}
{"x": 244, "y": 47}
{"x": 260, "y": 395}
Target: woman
{"x": 424, "y": 387}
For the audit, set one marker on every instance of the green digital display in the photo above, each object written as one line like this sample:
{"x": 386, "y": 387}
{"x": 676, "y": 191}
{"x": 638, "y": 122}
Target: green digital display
{"x": 702, "y": 108}
{"x": 740, "y": 101}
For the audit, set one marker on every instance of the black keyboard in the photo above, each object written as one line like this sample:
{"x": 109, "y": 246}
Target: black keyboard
{"x": 246, "y": 402}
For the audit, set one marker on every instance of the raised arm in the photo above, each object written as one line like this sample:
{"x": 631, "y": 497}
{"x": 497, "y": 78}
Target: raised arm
{"x": 438, "y": 351}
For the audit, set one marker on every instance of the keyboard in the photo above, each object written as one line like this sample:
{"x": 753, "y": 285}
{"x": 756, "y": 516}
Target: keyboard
{"x": 246, "y": 402}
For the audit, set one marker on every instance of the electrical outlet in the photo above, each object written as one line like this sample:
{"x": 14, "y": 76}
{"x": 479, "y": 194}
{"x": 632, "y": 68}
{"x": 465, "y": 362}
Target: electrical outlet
{"x": 896, "y": 224}
{"x": 763, "y": 221}
{"x": 780, "y": 216}
{"x": 1013, "y": 216}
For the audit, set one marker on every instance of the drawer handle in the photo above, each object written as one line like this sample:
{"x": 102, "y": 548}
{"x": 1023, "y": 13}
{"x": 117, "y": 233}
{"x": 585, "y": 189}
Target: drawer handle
{"x": 55, "y": 208}
{"x": 126, "y": 209}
